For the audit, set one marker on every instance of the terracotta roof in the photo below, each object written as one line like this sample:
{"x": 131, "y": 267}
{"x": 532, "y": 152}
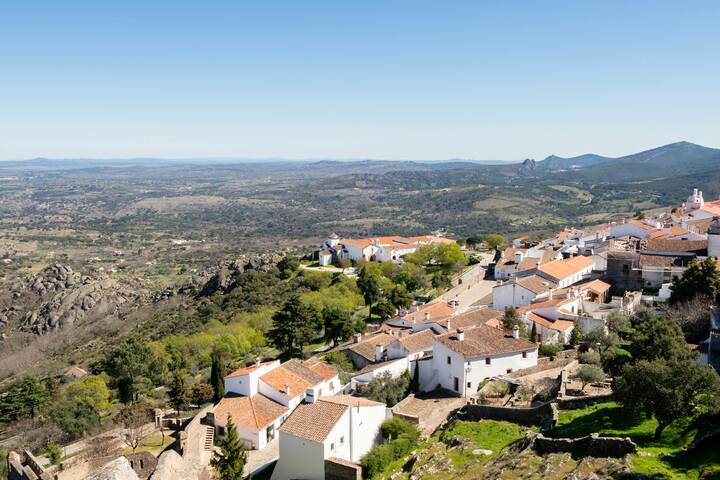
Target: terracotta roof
{"x": 314, "y": 421}
{"x": 472, "y": 318}
{"x": 253, "y": 413}
{"x": 554, "y": 302}
{"x": 597, "y": 286}
{"x": 437, "y": 310}
{"x": 245, "y": 370}
{"x": 662, "y": 245}
{"x": 642, "y": 225}
{"x": 296, "y": 375}
{"x": 484, "y": 340}
{"x": 661, "y": 261}
{"x": 418, "y": 342}
{"x": 359, "y": 243}
{"x": 528, "y": 263}
{"x": 561, "y": 269}
{"x": 366, "y": 348}
{"x": 668, "y": 232}
{"x": 559, "y": 325}
{"x": 370, "y": 367}
{"x": 536, "y": 284}
{"x": 323, "y": 369}
{"x": 351, "y": 401}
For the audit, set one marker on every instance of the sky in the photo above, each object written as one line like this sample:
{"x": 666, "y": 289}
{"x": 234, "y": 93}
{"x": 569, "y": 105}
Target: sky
{"x": 384, "y": 79}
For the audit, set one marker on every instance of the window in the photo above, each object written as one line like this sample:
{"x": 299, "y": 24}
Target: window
{"x": 509, "y": 370}
{"x": 332, "y": 446}
{"x": 469, "y": 384}
{"x": 342, "y": 440}
{"x": 524, "y": 354}
{"x": 449, "y": 360}
{"x": 487, "y": 361}
{"x": 626, "y": 268}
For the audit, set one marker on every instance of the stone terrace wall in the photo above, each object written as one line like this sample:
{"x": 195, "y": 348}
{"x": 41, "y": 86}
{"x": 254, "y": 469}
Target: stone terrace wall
{"x": 337, "y": 469}
{"x": 544, "y": 363}
{"x": 593, "y": 445}
{"x": 544, "y": 415}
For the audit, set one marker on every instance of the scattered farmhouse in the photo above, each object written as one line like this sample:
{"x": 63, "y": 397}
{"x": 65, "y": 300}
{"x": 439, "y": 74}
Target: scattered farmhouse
{"x": 334, "y": 429}
{"x": 378, "y": 249}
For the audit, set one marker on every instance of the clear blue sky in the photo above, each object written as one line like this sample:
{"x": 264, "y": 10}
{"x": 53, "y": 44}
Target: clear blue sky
{"x": 362, "y": 79}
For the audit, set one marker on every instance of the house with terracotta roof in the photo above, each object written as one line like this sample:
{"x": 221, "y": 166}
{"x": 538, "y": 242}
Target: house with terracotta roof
{"x": 567, "y": 271}
{"x": 634, "y": 228}
{"x": 464, "y": 358}
{"x": 515, "y": 260}
{"x": 339, "y": 429}
{"x": 371, "y": 349}
{"x": 412, "y": 346}
{"x": 259, "y": 397}
{"x": 420, "y": 314}
{"x": 521, "y": 291}
{"x": 379, "y": 249}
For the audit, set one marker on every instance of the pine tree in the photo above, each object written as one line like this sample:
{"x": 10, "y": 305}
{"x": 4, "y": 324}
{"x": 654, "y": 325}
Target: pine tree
{"x": 533, "y": 333}
{"x": 415, "y": 382}
{"x": 229, "y": 463}
{"x": 576, "y": 335}
{"x": 217, "y": 377}
{"x": 179, "y": 394}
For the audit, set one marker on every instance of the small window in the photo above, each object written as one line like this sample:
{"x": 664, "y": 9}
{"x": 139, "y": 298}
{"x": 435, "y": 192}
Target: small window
{"x": 469, "y": 384}
{"x": 332, "y": 446}
{"x": 487, "y": 361}
{"x": 342, "y": 440}
{"x": 509, "y": 370}
{"x": 449, "y": 360}
{"x": 524, "y": 354}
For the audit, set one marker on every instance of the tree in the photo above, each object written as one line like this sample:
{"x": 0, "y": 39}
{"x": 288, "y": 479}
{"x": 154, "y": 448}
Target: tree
{"x": 576, "y": 336}
{"x": 668, "y": 390}
{"x": 75, "y": 418}
{"x": 217, "y": 376}
{"x": 393, "y": 428}
{"x": 495, "y": 241}
{"x": 201, "y": 392}
{"x": 178, "y": 393}
{"x": 600, "y": 339}
{"x": 415, "y": 382}
{"x": 134, "y": 368}
{"x": 91, "y": 390}
{"x": 386, "y": 389}
{"x": 136, "y": 418}
{"x": 25, "y": 399}
{"x": 590, "y": 357}
{"x": 474, "y": 240}
{"x": 230, "y": 461}
{"x": 657, "y": 338}
{"x": 400, "y": 297}
{"x": 338, "y": 324}
{"x": 533, "y": 333}
{"x": 53, "y": 452}
{"x": 294, "y": 325}
{"x": 693, "y": 316}
{"x": 590, "y": 374}
{"x": 288, "y": 265}
{"x": 385, "y": 309}
{"x": 700, "y": 278}
{"x": 370, "y": 284}
{"x": 618, "y": 322}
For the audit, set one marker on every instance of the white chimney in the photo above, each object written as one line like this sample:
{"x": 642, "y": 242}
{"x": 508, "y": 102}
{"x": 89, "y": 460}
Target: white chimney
{"x": 460, "y": 335}
{"x": 448, "y": 325}
{"x": 414, "y": 320}
{"x": 518, "y": 257}
{"x": 287, "y": 389}
{"x": 427, "y": 316}
{"x": 310, "y": 395}
{"x": 378, "y": 353}
{"x": 516, "y": 332}
{"x": 357, "y": 337}
{"x": 257, "y": 361}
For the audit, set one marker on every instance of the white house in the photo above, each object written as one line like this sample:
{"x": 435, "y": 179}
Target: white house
{"x": 463, "y": 359}
{"x": 380, "y": 249}
{"x": 567, "y": 271}
{"x": 516, "y": 260}
{"x": 634, "y": 228}
{"x": 261, "y": 396}
{"x": 340, "y": 427}
{"x": 521, "y": 291}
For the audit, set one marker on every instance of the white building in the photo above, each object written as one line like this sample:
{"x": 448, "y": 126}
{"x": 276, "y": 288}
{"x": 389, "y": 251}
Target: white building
{"x": 522, "y": 291}
{"x": 568, "y": 271}
{"x": 634, "y": 228}
{"x": 260, "y": 397}
{"x": 379, "y": 249}
{"x": 340, "y": 427}
{"x": 463, "y": 359}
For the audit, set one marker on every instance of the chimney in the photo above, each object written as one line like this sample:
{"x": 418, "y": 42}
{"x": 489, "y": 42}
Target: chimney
{"x": 287, "y": 389}
{"x": 448, "y": 325}
{"x": 378, "y": 353}
{"x": 550, "y": 295}
{"x": 257, "y": 361}
{"x": 460, "y": 335}
{"x": 357, "y": 337}
{"x": 310, "y": 395}
{"x": 414, "y": 320}
{"x": 427, "y": 316}
{"x": 516, "y": 332}
{"x": 518, "y": 257}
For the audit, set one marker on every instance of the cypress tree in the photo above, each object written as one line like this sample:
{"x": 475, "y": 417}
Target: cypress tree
{"x": 415, "y": 383}
{"x": 533, "y": 333}
{"x": 229, "y": 463}
{"x": 217, "y": 377}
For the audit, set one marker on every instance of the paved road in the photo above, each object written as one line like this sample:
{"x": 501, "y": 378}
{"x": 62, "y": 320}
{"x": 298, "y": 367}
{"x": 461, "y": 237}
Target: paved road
{"x": 473, "y": 288}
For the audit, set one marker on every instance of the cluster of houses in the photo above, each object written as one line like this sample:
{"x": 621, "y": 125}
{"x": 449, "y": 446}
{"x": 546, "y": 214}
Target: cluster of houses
{"x": 376, "y": 249}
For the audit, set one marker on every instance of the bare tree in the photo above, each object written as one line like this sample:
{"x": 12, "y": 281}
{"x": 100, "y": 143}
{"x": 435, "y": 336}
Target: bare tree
{"x": 137, "y": 420}
{"x": 693, "y": 316}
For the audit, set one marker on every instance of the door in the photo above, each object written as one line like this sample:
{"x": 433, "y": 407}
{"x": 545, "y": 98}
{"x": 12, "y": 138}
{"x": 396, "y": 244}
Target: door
{"x": 456, "y": 384}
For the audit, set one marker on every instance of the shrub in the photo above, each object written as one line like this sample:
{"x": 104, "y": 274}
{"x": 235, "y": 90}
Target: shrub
{"x": 404, "y": 437}
{"x": 550, "y": 349}
{"x": 53, "y": 452}
{"x": 394, "y": 428}
{"x": 590, "y": 374}
{"x": 591, "y": 358}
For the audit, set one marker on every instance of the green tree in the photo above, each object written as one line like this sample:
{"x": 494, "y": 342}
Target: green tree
{"x": 600, "y": 340}
{"x": 668, "y": 390}
{"x": 590, "y": 357}
{"x": 400, "y": 297}
{"x": 386, "y": 389}
{"x": 178, "y": 393}
{"x": 474, "y": 240}
{"x": 134, "y": 368}
{"x": 230, "y": 461}
{"x": 394, "y": 428}
{"x": 295, "y": 325}
{"x": 217, "y": 376}
{"x": 533, "y": 333}
{"x": 495, "y": 241}
{"x": 25, "y": 399}
{"x": 53, "y": 452}
{"x": 656, "y": 338}
{"x": 385, "y": 309}
{"x": 201, "y": 393}
{"x": 700, "y": 278}
{"x": 618, "y": 322}
{"x": 338, "y": 324}
{"x": 370, "y": 284}
{"x": 91, "y": 390}
{"x": 576, "y": 336}
{"x": 75, "y": 418}
{"x": 415, "y": 382}
{"x": 590, "y": 374}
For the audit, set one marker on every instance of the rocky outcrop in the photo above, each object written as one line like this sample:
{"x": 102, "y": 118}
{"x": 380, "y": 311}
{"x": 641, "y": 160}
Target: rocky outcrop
{"x": 222, "y": 279}
{"x": 65, "y": 298}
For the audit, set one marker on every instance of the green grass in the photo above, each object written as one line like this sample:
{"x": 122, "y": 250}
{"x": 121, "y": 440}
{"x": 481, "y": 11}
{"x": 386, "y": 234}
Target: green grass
{"x": 663, "y": 456}
{"x": 486, "y": 434}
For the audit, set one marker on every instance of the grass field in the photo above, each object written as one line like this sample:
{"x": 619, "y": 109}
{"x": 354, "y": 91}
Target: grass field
{"x": 664, "y": 456}
{"x": 485, "y": 434}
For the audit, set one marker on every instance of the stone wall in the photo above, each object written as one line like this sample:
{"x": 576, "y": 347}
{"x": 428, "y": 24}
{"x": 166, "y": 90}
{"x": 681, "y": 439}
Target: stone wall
{"x": 544, "y": 363}
{"x": 592, "y": 445}
{"x": 338, "y": 469}
{"x": 574, "y": 403}
{"x": 544, "y": 415}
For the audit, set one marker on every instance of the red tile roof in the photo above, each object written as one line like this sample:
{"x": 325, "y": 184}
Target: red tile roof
{"x": 253, "y": 413}
{"x": 561, "y": 269}
{"x": 314, "y": 421}
{"x": 245, "y": 370}
{"x": 484, "y": 341}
